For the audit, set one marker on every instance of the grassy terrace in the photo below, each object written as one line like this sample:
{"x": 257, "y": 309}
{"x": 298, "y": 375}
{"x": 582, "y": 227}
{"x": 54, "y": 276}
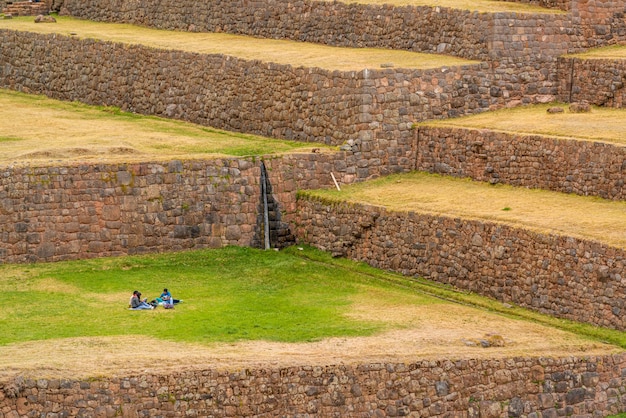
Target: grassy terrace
{"x": 481, "y": 6}
{"x": 297, "y": 54}
{"x": 244, "y": 307}
{"x": 42, "y": 131}
{"x": 601, "y": 124}
{"x": 539, "y": 210}
{"x": 613, "y": 52}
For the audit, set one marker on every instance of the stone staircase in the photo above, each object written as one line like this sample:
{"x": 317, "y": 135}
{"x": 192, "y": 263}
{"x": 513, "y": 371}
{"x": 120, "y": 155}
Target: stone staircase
{"x": 27, "y": 8}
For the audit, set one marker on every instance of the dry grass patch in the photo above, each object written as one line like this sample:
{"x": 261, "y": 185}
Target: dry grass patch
{"x": 427, "y": 332}
{"x": 482, "y": 6}
{"x": 539, "y": 210}
{"x": 613, "y": 52}
{"x": 39, "y": 130}
{"x": 297, "y": 54}
{"x": 601, "y": 124}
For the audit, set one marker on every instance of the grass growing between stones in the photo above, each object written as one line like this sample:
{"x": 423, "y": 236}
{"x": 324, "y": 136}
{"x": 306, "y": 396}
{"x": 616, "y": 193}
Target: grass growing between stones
{"x": 601, "y": 124}
{"x": 482, "y": 6}
{"x": 297, "y": 54}
{"x": 539, "y": 210}
{"x": 42, "y": 130}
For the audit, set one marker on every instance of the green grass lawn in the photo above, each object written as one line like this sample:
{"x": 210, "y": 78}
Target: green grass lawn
{"x": 245, "y": 307}
{"x": 230, "y": 294}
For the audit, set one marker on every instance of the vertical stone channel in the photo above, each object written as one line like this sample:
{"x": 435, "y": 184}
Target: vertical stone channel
{"x": 266, "y": 219}
{"x": 271, "y": 231}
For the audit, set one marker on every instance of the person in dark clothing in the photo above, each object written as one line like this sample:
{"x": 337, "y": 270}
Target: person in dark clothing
{"x": 136, "y": 303}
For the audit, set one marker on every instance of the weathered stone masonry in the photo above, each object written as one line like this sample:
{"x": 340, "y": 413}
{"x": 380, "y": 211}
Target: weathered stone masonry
{"x": 559, "y": 164}
{"x": 597, "y": 81}
{"x": 58, "y": 213}
{"x": 519, "y": 47}
{"x": 95, "y": 210}
{"x": 514, "y": 387}
{"x": 307, "y": 104}
{"x": 54, "y": 213}
{"x": 561, "y": 276}
{"x": 484, "y": 36}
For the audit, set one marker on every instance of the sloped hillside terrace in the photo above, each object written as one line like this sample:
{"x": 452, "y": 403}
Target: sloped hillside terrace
{"x": 215, "y": 203}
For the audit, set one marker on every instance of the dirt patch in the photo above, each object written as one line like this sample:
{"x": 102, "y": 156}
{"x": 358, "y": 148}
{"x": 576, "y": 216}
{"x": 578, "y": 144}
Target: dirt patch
{"x": 122, "y": 151}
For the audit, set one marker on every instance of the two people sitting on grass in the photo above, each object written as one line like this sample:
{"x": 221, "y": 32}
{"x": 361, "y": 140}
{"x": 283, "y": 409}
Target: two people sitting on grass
{"x": 136, "y": 303}
{"x": 166, "y": 300}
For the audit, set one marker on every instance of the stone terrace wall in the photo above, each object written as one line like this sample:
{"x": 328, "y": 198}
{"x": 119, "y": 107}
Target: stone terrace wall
{"x": 50, "y": 214}
{"x": 513, "y": 387}
{"x": 600, "y": 21}
{"x": 57, "y": 213}
{"x": 305, "y": 104}
{"x": 560, "y": 276}
{"x": 417, "y": 28}
{"x": 569, "y": 166}
{"x": 598, "y": 81}
{"x": 60, "y": 213}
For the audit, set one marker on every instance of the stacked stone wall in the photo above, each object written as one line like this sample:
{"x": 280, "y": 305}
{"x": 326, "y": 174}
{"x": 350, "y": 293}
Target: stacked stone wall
{"x": 83, "y": 211}
{"x": 601, "y": 22}
{"x": 511, "y": 39}
{"x": 510, "y": 387}
{"x": 416, "y": 28}
{"x": 557, "y": 275}
{"x": 307, "y": 104}
{"x": 585, "y": 168}
{"x": 521, "y": 48}
{"x": 598, "y": 81}
{"x": 58, "y": 213}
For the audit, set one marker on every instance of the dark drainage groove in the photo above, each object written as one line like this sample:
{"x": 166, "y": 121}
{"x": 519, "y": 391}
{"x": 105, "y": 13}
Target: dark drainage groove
{"x": 271, "y": 231}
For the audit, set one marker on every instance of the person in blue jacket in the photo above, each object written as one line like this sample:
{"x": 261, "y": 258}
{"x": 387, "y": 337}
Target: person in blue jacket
{"x": 167, "y": 299}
